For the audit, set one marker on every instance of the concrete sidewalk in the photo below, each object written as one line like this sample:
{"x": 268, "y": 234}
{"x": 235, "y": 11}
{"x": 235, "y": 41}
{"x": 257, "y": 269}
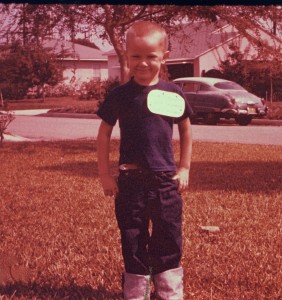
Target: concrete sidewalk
{"x": 15, "y": 138}
{"x": 45, "y": 113}
{"x": 30, "y": 112}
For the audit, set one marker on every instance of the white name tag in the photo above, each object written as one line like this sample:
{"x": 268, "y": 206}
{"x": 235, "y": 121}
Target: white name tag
{"x": 165, "y": 103}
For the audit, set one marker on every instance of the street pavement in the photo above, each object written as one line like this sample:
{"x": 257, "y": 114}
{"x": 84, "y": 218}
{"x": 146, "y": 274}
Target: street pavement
{"x": 81, "y": 126}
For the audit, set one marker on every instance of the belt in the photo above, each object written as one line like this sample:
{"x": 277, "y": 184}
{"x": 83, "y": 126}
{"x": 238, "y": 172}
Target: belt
{"x": 133, "y": 167}
{"x": 126, "y": 167}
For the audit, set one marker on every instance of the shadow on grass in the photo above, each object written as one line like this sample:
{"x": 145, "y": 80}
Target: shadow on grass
{"x": 87, "y": 169}
{"x": 45, "y": 291}
{"x": 243, "y": 176}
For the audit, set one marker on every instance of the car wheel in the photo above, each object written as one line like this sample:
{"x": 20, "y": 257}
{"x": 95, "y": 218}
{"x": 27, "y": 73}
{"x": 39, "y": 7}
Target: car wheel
{"x": 243, "y": 120}
{"x": 211, "y": 119}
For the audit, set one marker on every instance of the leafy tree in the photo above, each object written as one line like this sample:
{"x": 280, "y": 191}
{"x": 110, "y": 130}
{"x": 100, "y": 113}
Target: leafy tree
{"x": 24, "y": 67}
{"x": 28, "y": 23}
{"x": 248, "y": 20}
{"x": 259, "y": 77}
{"x": 110, "y": 22}
{"x": 85, "y": 42}
{"x": 233, "y": 67}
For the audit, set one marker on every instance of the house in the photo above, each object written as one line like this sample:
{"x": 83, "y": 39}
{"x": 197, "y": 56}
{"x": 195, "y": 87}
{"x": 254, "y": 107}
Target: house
{"x": 81, "y": 63}
{"x": 195, "y": 50}
{"x": 200, "y": 47}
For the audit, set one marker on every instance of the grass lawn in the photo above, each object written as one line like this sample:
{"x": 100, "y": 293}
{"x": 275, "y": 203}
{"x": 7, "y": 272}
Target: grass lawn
{"x": 58, "y": 227}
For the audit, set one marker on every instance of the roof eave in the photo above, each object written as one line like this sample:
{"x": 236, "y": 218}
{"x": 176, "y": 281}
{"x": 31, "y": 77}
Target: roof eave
{"x": 218, "y": 45}
{"x": 179, "y": 60}
{"x": 84, "y": 59}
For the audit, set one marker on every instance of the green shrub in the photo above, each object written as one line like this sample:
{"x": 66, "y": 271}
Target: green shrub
{"x": 60, "y": 90}
{"x": 97, "y": 89}
{"x": 14, "y": 92}
{"x": 275, "y": 113}
{"x": 111, "y": 84}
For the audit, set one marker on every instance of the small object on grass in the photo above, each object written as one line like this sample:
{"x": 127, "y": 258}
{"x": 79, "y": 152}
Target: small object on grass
{"x": 210, "y": 229}
{"x": 11, "y": 272}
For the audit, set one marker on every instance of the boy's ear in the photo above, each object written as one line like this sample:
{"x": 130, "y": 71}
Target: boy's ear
{"x": 165, "y": 57}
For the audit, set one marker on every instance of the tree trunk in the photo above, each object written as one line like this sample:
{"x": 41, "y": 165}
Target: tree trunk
{"x": 43, "y": 93}
{"x": 1, "y": 99}
{"x": 271, "y": 90}
{"x": 124, "y": 71}
{"x": 24, "y": 21}
{"x": 274, "y": 28}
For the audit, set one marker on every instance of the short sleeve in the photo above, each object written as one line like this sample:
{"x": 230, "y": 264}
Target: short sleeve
{"x": 109, "y": 110}
{"x": 187, "y": 111}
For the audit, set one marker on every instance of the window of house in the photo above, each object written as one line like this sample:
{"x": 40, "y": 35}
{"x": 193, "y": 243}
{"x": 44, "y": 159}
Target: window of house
{"x": 96, "y": 71}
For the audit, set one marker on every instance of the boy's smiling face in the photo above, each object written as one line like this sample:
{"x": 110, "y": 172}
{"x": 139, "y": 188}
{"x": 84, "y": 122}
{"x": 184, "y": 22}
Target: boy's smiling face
{"x": 145, "y": 55}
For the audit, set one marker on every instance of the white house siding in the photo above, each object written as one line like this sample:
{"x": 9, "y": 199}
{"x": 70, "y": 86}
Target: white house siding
{"x": 82, "y": 71}
{"x": 113, "y": 66}
{"x": 270, "y": 40}
{"x": 104, "y": 72}
{"x": 212, "y": 58}
{"x": 197, "y": 66}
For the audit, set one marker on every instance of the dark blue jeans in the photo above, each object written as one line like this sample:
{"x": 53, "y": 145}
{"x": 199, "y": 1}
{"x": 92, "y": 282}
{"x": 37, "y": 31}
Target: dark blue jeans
{"x": 145, "y": 196}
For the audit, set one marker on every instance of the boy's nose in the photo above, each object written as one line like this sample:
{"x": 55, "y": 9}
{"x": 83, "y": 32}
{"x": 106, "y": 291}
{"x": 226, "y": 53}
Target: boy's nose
{"x": 143, "y": 63}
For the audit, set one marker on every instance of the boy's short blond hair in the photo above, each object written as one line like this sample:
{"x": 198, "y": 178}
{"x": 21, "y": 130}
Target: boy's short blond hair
{"x": 146, "y": 28}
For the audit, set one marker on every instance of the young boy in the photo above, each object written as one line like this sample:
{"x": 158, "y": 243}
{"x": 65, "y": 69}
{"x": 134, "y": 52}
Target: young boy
{"x": 149, "y": 184}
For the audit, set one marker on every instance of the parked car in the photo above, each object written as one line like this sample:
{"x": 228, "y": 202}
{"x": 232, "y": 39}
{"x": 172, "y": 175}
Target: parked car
{"x": 214, "y": 98}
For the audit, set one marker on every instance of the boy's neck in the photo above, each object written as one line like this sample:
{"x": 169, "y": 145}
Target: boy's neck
{"x": 146, "y": 83}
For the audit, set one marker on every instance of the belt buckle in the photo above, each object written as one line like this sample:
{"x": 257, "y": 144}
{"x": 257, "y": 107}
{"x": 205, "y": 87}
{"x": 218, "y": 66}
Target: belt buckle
{"x": 123, "y": 167}
{"x": 128, "y": 167}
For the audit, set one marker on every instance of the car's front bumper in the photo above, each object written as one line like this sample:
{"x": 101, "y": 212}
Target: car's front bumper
{"x": 253, "y": 111}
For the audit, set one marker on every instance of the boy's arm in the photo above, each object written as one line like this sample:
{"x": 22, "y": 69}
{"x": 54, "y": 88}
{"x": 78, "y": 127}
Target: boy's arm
{"x": 185, "y": 134}
{"x": 103, "y": 150}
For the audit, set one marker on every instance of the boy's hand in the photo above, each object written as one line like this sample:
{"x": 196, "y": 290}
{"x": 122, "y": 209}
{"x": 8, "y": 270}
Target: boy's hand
{"x": 109, "y": 185}
{"x": 182, "y": 175}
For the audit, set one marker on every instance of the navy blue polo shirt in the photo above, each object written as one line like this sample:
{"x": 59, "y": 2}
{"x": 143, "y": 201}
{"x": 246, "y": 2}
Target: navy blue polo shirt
{"x": 146, "y": 138}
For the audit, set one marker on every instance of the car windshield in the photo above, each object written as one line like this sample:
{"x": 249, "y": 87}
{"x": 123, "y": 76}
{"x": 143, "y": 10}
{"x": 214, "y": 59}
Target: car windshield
{"x": 229, "y": 86}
